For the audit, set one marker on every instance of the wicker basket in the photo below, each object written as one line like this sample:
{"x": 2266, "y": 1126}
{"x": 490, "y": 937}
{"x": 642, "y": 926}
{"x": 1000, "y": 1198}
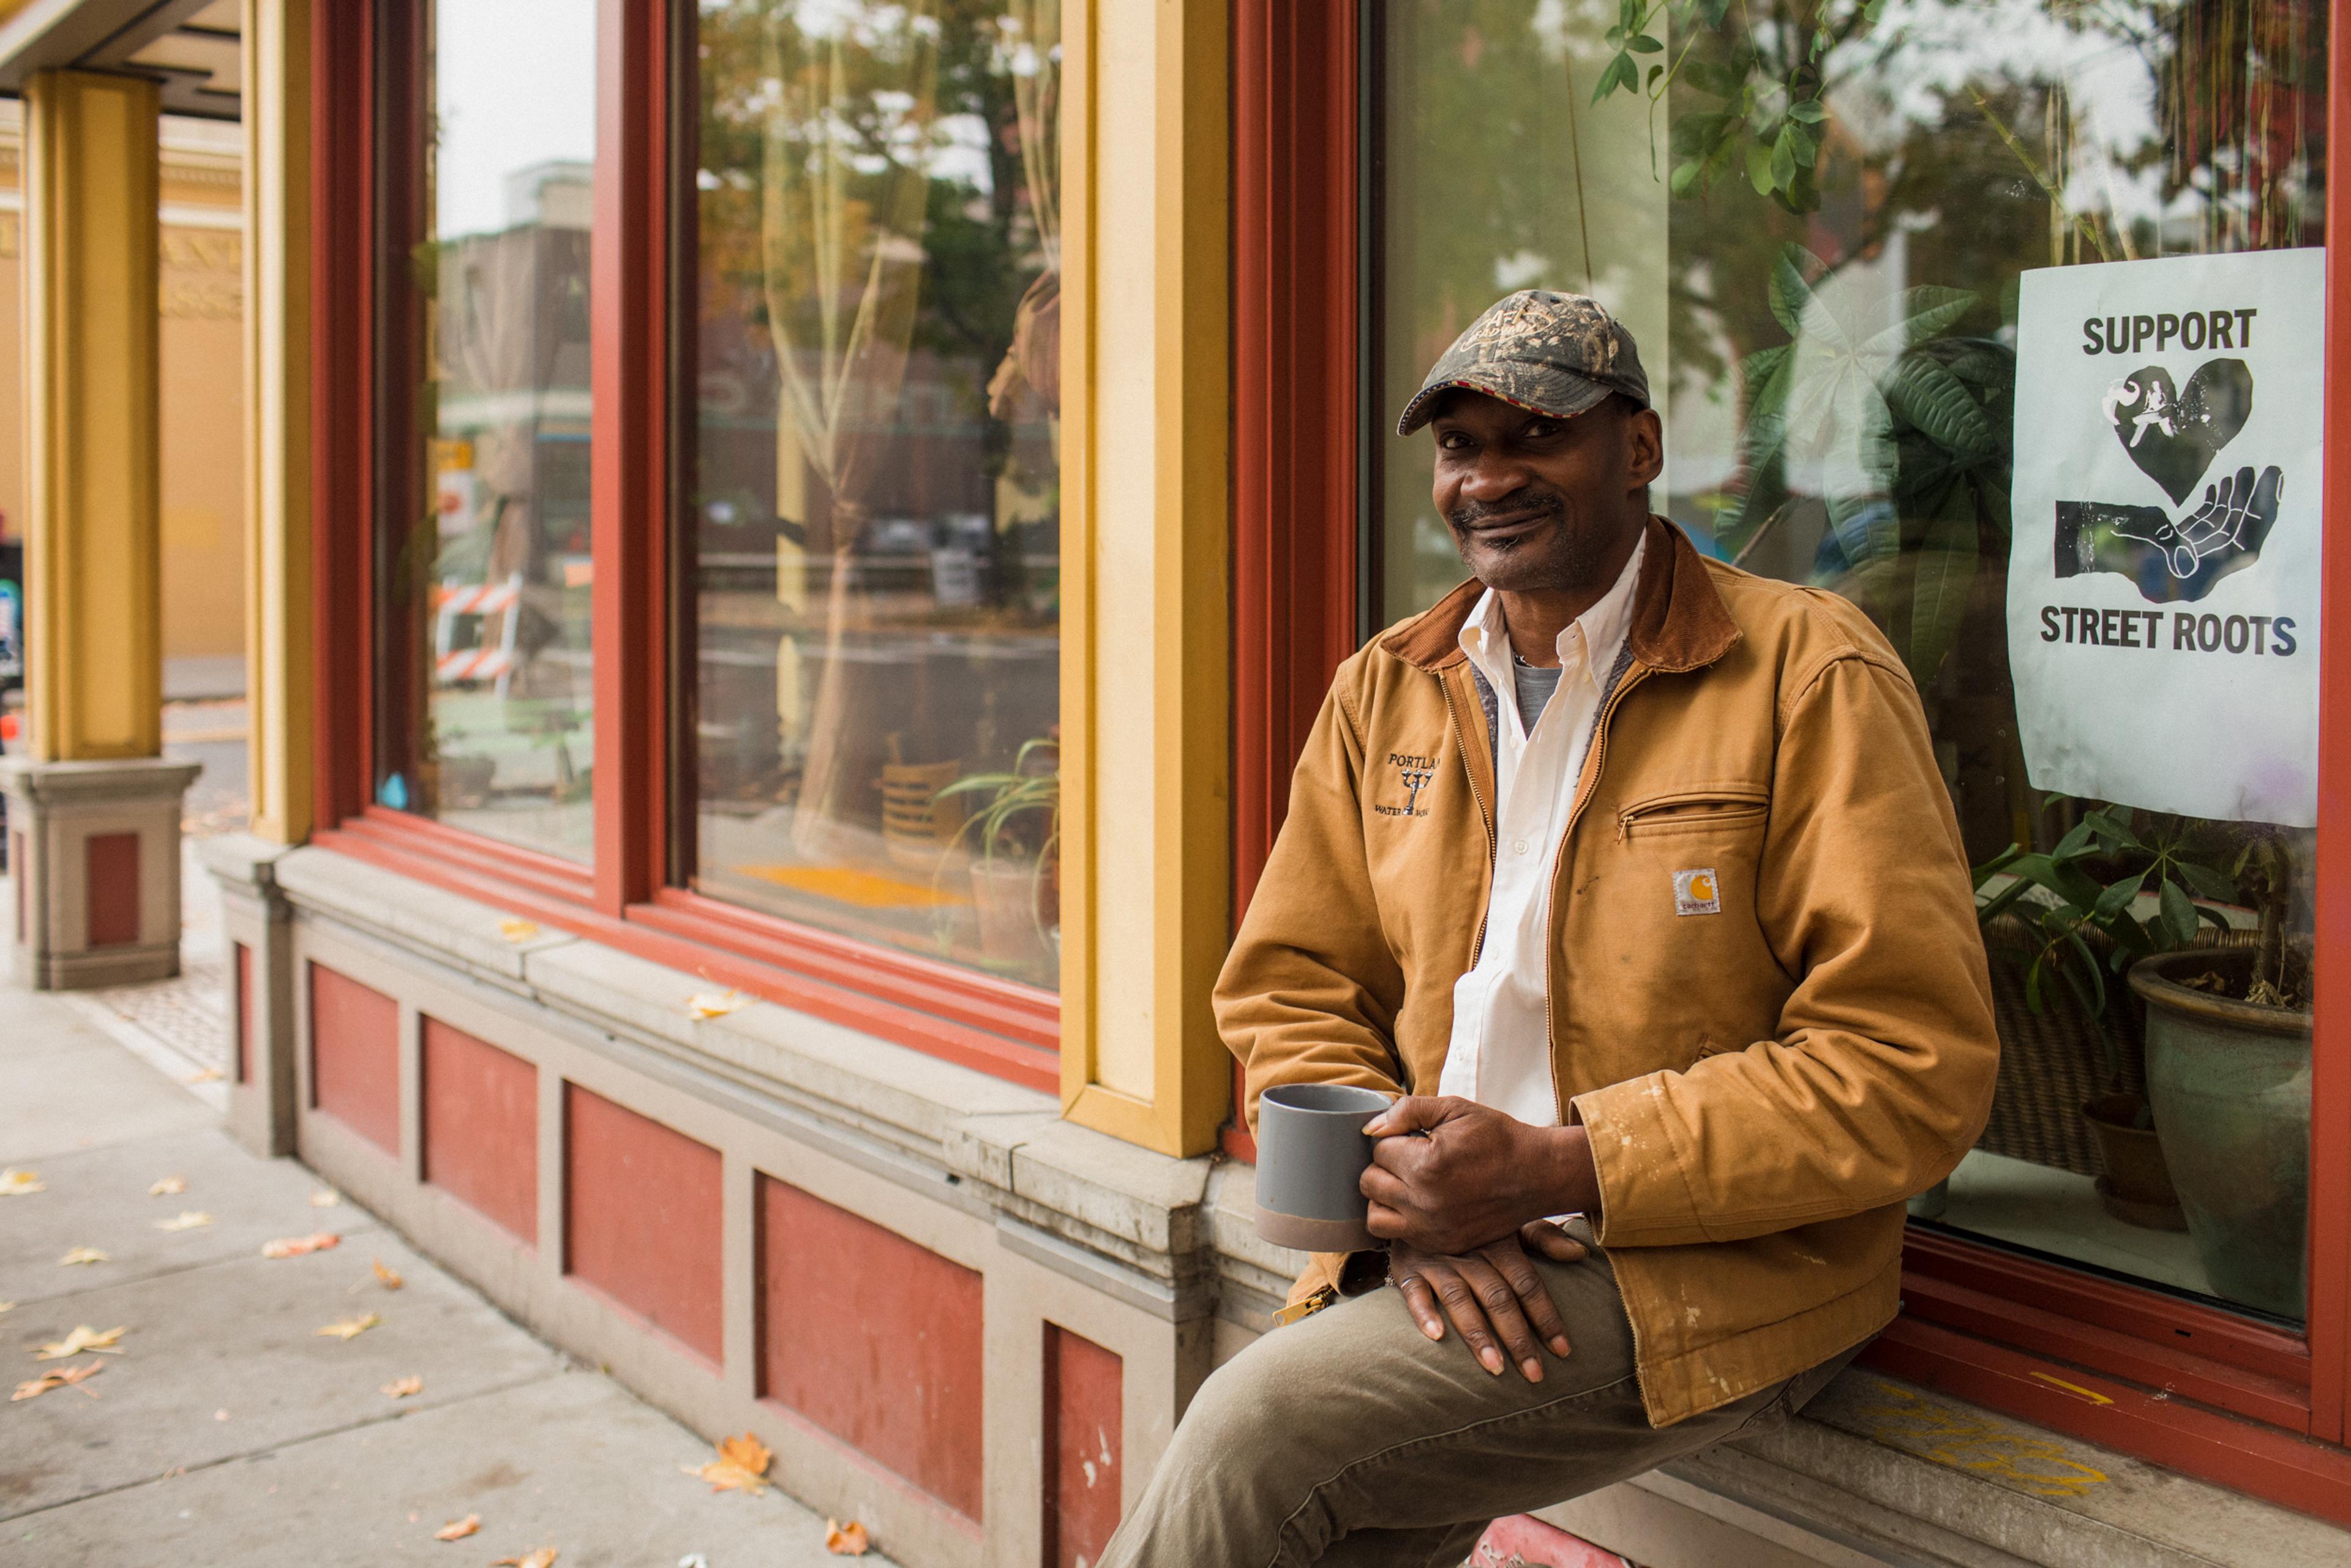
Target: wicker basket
{"x": 2053, "y": 1061}
{"x": 915, "y": 823}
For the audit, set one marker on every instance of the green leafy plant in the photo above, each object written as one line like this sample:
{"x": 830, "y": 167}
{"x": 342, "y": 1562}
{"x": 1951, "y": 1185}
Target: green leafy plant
{"x": 1010, "y": 799}
{"x": 2071, "y": 892}
{"x": 1766, "y": 80}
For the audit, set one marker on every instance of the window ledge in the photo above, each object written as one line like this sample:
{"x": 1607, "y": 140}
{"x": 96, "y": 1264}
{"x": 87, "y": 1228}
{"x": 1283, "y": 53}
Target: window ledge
{"x": 1863, "y": 1468}
{"x": 1003, "y": 1146}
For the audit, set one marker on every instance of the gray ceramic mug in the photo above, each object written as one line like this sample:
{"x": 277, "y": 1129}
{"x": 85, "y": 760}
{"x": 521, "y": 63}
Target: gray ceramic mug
{"x": 1310, "y": 1156}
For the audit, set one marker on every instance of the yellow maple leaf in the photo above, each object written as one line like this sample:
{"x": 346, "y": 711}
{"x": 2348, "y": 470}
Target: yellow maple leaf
{"x": 34, "y": 1387}
{"x": 392, "y": 1282}
{"x": 541, "y": 1557}
{"x": 846, "y": 1539}
{"x": 741, "y": 1466}
{"x": 401, "y": 1387}
{"x": 714, "y": 1004}
{"x": 15, "y": 1183}
{"x": 209, "y": 1075}
{"x": 83, "y": 1337}
{"x": 325, "y": 1197}
{"x": 458, "y": 1528}
{"x": 187, "y": 1219}
{"x": 168, "y": 1186}
{"x": 7, "y": 1306}
{"x": 83, "y": 1255}
{"x": 349, "y": 1328}
{"x": 297, "y": 1246}
{"x": 517, "y": 930}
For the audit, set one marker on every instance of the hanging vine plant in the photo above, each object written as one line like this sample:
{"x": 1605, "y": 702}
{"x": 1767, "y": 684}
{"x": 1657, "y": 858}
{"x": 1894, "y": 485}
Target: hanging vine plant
{"x": 1771, "y": 121}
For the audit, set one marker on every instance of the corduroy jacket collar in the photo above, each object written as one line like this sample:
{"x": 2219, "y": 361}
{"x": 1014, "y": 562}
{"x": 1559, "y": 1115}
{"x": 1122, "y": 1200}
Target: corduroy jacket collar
{"x": 1680, "y": 622}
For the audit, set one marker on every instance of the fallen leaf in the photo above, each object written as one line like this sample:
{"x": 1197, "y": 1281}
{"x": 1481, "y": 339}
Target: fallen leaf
{"x": 34, "y": 1387}
{"x": 517, "y": 930}
{"x": 401, "y": 1388}
{"x": 83, "y": 1255}
{"x": 15, "y": 1183}
{"x": 714, "y": 1004}
{"x": 457, "y": 1529}
{"x": 349, "y": 1328}
{"x": 544, "y": 1557}
{"x": 846, "y": 1539}
{"x": 168, "y": 1186}
{"x": 392, "y": 1282}
{"x": 220, "y": 1415}
{"x": 297, "y": 1246}
{"x": 83, "y": 1337}
{"x": 7, "y": 1306}
{"x": 325, "y": 1197}
{"x": 188, "y": 1220}
{"x": 209, "y": 1075}
{"x": 739, "y": 1467}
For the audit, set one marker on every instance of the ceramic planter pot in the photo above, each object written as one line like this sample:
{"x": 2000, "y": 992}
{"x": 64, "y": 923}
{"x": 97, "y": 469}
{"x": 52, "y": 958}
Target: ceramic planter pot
{"x": 2136, "y": 1188}
{"x": 1004, "y": 894}
{"x": 2229, "y": 1085}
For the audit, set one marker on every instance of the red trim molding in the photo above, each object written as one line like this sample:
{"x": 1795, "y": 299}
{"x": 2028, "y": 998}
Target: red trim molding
{"x": 2330, "y": 1078}
{"x": 629, "y": 506}
{"x": 1295, "y": 400}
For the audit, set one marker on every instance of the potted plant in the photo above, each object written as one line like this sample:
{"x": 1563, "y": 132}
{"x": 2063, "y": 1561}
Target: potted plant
{"x": 2228, "y": 1074}
{"x": 2077, "y": 907}
{"x": 1015, "y": 832}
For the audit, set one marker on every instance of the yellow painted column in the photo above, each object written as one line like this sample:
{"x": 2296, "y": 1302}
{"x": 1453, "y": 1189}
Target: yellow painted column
{"x": 1146, "y": 671}
{"x": 278, "y": 650}
{"x": 94, "y": 666}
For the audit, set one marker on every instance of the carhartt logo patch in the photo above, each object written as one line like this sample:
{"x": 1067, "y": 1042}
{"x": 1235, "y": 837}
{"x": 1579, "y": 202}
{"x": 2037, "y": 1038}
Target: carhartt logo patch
{"x": 1695, "y": 892}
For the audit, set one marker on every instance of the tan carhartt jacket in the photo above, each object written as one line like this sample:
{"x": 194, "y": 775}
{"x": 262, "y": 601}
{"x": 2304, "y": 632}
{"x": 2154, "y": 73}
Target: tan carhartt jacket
{"x": 1771, "y": 1055}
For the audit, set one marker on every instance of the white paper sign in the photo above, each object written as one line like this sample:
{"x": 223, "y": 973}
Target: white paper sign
{"x": 2163, "y": 581}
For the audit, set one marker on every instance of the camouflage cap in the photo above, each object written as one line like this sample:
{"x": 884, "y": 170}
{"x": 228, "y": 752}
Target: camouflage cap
{"x": 1560, "y": 354}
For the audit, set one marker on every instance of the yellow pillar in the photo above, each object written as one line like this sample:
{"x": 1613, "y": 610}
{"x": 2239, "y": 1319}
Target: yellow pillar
{"x": 94, "y": 667}
{"x": 1145, "y": 673}
{"x": 277, "y": 415}
{"x": 94, "y": 811}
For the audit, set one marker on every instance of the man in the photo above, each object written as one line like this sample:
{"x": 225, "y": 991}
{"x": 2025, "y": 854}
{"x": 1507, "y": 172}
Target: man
{"x": 1636, "y": 875}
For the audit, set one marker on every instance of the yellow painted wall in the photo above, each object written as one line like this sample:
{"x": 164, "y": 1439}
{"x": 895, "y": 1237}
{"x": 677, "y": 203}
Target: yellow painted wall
{"x": 203, "y": 354}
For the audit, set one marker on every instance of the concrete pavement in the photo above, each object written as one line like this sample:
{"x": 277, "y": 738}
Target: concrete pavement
{"x": 226, "y": 1429}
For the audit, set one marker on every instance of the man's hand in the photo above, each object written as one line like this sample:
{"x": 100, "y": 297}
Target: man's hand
{"x": 1493, "y": 1295}
{"x": 1450, "y": 1176}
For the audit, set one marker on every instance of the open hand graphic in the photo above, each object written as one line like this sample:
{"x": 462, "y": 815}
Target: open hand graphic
{"x": 2171, "y": 562}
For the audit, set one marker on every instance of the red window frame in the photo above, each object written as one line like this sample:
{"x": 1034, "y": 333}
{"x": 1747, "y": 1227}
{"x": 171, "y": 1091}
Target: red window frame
{"x": 645, "y": 80}
{"x": 2197, "y": 1388}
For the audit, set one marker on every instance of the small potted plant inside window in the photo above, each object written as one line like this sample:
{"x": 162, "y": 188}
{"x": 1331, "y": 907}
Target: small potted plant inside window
{"x": 1014, "y": 834}
{"x": 2072, "y": 916}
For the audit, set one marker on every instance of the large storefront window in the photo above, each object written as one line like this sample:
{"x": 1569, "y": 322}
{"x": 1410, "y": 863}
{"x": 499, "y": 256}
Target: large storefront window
{"x": 870, "y": 544}
{"x": 483, "y": 567}
{"x": 1844, "y": 236}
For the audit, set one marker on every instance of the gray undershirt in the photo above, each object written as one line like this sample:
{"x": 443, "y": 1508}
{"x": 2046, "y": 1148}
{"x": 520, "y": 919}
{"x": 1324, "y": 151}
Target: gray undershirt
{"x": 1534, "y": 689}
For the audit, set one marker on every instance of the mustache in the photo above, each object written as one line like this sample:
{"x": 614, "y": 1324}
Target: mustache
{"x": 1521, "y": 506}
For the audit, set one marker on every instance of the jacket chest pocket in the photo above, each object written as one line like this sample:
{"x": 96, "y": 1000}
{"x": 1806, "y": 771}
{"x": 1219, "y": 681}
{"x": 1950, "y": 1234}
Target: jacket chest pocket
{"x": 1729, "y": 809}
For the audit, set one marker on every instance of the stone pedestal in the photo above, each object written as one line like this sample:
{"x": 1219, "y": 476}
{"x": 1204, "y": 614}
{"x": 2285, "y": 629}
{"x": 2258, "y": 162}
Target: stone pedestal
{"x": 95, "y": 852}
{"x": 261, "y": 1099}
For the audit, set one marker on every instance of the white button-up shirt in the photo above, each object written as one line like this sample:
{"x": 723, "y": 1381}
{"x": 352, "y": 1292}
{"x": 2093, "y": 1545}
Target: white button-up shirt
{"x": 1501, "y": 1051}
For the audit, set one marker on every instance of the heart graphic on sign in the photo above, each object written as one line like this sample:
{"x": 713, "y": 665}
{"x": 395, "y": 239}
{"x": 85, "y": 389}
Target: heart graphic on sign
{"x": 2174, "y": 434}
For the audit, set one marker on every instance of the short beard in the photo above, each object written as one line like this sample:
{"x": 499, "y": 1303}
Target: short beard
{"x": 1572, "y": 558}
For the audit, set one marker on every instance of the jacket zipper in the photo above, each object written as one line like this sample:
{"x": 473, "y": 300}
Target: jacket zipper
{"x": 1592, "y": 765}
{"x": 1485, "y": 820}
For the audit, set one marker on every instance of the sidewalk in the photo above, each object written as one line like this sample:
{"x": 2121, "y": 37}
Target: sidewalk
{"x": 225, "y": 1428}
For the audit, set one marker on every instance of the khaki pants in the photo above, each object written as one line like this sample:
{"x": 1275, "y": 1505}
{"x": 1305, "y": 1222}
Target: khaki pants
{"x": 1351, "y": 1439}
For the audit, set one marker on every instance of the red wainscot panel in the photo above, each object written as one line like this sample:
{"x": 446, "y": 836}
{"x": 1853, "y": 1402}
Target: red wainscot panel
{"x": 481, "y": 1128}
{"x": 243, "y": 1013}
{"x": 355, "y": 1056}
{"x": 1081, "y": 1447}
{"x": 110, "y": 864}
{"x": 641, "y": 1223}
{"x": 874, "y": 1338}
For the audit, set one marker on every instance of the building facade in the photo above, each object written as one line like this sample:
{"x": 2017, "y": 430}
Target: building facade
{"x": 791, "y": 549}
